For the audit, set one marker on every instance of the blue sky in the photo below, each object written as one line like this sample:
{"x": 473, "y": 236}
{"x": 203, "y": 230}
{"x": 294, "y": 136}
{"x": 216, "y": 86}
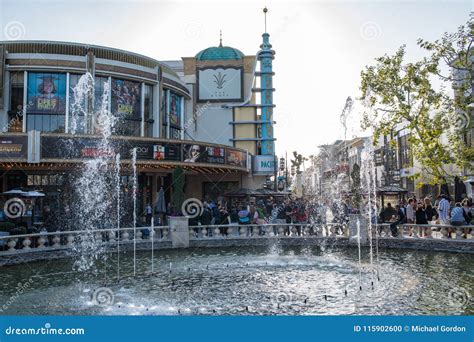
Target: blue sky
{"x": 321, "y": 46}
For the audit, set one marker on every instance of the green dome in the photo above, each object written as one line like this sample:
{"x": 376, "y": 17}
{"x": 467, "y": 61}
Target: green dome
{"x": 219, "y": 53}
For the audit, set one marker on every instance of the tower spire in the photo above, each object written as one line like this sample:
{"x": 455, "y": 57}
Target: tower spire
{"x": 265, "y": 10}
{"x": 220, "y": 39}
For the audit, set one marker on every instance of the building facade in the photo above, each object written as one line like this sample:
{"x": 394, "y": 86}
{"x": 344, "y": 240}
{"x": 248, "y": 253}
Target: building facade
{"x": 199, "y": 113}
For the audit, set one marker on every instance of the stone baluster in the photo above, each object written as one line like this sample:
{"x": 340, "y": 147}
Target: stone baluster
{"x": 27, "y": 243}
{"x": 230, "y": 231}
{"x": 332, "y": 230}
{"x": 165, "y": 233}
{"x": 41, "y": 241}
{"x": 401, "y": 230}
{"x": 98, "y": 237}
{"x": 217, "y": 232}
{"x": 125, "y": 235}
{"x": 429, "y": 232}
{"x": 458, "y": 232}
{"x": 56, "y": 241}
{"x": 11, "y": 244}
{"x": 139, "y": 234}
{"x": 70, "y": 240}
{"x": 444, "y": 232}
{"x": 192, "y": 233}
{"x": 281, "y": 230}
{"x": 346, "y": 231}
{"x": 111, "y": 235}
{"x": 204, "y": 232}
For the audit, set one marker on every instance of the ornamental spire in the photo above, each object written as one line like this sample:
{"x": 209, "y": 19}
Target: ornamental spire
{"x": 265, "y": 10}
{"x": 220, "y": 40}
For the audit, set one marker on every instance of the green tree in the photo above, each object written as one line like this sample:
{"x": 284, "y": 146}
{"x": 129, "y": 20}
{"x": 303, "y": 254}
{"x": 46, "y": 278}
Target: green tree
{"x": 455, "y": 50}
{"x": 297, "y": 161}
{"x": 398, "y": 94}
{"x": 177, "y": 196}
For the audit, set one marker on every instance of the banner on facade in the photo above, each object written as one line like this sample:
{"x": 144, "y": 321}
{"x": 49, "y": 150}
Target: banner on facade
{"x": 46, "y": 93}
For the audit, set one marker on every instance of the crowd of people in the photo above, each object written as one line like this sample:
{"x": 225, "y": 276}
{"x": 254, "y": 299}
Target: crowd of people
{"x": 423, "y": 212}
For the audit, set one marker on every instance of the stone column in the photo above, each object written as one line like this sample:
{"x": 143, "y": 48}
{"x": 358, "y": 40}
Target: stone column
{"x": 362, "y": 219}
{"x": 179, "y": 231}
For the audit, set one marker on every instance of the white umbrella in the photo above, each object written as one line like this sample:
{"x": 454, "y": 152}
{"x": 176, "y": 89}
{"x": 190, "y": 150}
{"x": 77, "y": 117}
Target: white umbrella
{"x": 34, "y": 194}
{"x": 15, "y": 192}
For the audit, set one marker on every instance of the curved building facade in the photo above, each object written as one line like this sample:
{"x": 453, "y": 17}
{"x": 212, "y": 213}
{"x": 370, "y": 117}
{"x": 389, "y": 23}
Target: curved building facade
{"x": 198, "y": 112}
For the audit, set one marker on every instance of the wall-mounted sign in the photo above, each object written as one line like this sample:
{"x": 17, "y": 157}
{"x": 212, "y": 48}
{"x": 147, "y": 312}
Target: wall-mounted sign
{"x": 220, "y": 84}
{"x": 236, "y": 158}
{"x": 264, "y": 165}
{"x": 87, "y": 148}
{"x": 13, "y": 147}
{"x": 204, "y": 154}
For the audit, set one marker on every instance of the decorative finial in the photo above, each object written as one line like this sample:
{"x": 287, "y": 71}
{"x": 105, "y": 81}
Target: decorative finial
{"x": 265, "y": 10}
{"x": 220, "y": 40}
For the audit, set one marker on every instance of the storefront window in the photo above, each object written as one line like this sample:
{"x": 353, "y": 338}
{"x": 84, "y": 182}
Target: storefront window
{"x": 46, "y": 102}
{"x": 126, "y": 98}
{"x": 15, "y": 113}
{"x": 148, "y": 115}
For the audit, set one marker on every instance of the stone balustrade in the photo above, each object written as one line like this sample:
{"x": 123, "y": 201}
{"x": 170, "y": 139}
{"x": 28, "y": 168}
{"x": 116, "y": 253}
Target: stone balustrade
{"x": 112, "y": 237}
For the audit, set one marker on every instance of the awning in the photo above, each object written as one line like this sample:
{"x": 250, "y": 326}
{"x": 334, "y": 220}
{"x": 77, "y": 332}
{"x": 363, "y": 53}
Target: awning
{"x": 391, "y": 189}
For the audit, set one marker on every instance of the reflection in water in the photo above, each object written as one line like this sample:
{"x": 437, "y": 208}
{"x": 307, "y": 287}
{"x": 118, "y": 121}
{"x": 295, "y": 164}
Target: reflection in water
{"x": 274, "y": 280}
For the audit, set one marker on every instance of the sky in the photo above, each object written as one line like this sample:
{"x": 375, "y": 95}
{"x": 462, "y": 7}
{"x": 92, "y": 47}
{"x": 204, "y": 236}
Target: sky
{"x": 321, "y": 46}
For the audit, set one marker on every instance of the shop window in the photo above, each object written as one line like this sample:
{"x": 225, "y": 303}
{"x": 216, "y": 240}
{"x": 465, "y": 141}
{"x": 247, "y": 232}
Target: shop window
{"x": 15, "y": 112}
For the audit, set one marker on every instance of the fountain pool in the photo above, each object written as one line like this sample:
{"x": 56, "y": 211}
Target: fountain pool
{"x": 248, "y": 281}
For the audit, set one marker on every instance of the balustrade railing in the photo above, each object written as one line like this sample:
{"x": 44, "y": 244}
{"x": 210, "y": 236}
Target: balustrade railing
{"x": 113, "y": 236}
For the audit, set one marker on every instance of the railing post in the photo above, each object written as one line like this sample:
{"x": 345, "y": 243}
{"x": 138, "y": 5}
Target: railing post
{"x": 27, "y": 243}
{"x": 11, "y": 244}
{"x": 70, "y": 240}
{"x": 56, "y": 241}
{"x": 41, "y": 242}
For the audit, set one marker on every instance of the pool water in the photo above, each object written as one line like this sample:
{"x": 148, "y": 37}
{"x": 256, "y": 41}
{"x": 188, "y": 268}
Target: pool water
{"x": 246, "y": 281}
